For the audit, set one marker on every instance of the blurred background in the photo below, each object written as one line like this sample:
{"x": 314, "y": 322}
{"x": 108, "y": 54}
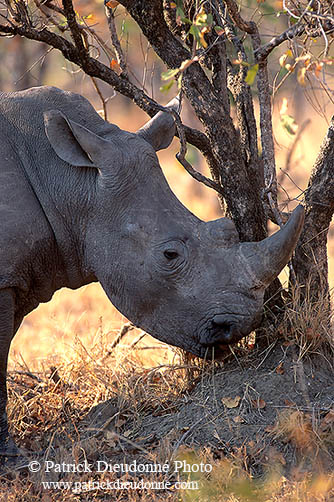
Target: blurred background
{"x": 83, "y": 316}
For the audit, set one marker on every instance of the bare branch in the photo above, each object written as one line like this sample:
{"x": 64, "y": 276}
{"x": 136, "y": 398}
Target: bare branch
{"x": 75, "y": 31}
{"x": 103, "y": 101}
{"x": 115, "y": 40}
{"x": 50, "y": 17}
{"x": 248, "y": 27}
{"x": 263, "y": 52}
{"x": 181, "y": 156}
{"x": 94, "y": 68}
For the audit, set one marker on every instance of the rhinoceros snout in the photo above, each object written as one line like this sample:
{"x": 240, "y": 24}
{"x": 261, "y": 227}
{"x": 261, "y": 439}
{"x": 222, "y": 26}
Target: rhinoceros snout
{"x": 222, "y": 331}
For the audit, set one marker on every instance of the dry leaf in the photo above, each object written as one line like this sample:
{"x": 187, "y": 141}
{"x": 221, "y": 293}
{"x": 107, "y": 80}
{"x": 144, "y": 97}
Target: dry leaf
{"x": 282, "y": 60}
{"x": 238, "y": 419}
{"x": 317, "y": 68}
{"x": 280, "y": 369}
{"x": 306, "y": 58}
{"x": 127, "y": 433}
{"x": 301, "y": 76}
{"x": 216, "y": 435}
{"x": 329, "y": 418}
{"x": 112, "y": 4}
{"x": 327, "y": 421}
{"x": 114, "y": 65}
{"x": 284, "y": 107}
{"x": 258, "y": 403}
{"x": 231, "y": 402}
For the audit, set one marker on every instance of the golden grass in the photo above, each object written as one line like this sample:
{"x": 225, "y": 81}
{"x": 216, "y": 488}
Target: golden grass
{"x": 307, "y": 323}
{"x": 47, "y": 410}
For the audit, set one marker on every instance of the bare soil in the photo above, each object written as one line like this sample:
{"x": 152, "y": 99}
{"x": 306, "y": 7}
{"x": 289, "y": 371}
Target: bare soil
{"x": 277, "y": 408}
{"x": 259, "y": 412}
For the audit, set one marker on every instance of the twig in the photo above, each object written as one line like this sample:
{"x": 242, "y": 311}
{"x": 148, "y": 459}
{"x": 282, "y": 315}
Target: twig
{"x": 138, "y": 339}
{"x": 50, "y": 18}
{"x": 25, "y": 373}
{"x": 125, "y": 329}
{"x": 35, "y": 63}
{"x": 261, "y": 53}
{"x": 248, "y": 27}
{"x": 182, "y": 153}
{"x": 198, "y": 176}
{"x": 97, "y": 69}
{"x": 291, "y": 150}
{"x": 186, "y": 434}
{"x": 103, "y": 101}
{"x": 75, "y": 31}
{"x": 107, "y": 50}
{"x": 115, "y": 40}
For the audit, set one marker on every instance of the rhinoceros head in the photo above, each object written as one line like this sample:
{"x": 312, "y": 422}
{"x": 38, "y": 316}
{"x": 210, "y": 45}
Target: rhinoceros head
{"x": 189, "y": 283}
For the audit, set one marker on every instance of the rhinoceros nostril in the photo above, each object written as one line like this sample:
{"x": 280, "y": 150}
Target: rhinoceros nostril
{"x": 219, "y": 321}
{"x": 224, "y": 331}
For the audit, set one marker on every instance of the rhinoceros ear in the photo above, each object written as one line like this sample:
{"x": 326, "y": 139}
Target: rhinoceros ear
{"x": 72, "y": 142}
{"x": 160, "y": 130}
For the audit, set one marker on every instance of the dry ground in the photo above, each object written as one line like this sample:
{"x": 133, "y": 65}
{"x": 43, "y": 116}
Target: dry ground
{"x": 262, "y": 421}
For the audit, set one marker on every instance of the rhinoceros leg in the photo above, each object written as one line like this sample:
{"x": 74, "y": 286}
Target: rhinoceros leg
{"x": 7, "y": 313}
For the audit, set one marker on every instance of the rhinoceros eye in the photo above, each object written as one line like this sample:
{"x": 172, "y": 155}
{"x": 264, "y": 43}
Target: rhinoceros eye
{"x": 171, "y": 254}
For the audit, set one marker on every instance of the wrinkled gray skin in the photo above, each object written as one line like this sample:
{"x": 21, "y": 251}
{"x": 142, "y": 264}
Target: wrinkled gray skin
{"x": 82, "y": 201}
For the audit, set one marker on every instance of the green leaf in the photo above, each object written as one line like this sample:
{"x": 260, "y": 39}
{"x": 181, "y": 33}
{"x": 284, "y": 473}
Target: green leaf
{"x": 251, "y": 74}
{"x": 166, "y": 75}
{"x": 210, "y": 20}
{"x": 195, "y": 31}
{"x": 181, "y": 15}
{"x": 219, "y": 30}
{"x": 167, "y": 87}
{"x": 202, "y": 19}
{"x": 179, "y": 12}
{"x": 289, "y": 124}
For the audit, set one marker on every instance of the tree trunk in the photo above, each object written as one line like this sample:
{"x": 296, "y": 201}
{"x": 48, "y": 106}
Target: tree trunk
{"x": 310, "y": 261}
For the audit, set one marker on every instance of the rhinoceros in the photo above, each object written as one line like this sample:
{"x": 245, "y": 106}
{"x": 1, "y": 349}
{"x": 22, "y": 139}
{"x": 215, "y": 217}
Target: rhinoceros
{"x": 82, "y": 200}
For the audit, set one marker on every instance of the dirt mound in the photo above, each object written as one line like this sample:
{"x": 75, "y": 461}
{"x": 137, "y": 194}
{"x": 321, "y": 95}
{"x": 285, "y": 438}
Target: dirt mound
{"x": 272, "y": 408}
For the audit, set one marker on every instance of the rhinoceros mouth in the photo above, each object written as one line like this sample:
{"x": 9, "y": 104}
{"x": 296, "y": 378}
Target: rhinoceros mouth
{"x": 221, "y": 331}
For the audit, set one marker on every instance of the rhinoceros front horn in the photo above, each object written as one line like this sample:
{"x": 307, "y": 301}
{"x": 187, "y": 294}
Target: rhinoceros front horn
{"x": 267, "y": 258}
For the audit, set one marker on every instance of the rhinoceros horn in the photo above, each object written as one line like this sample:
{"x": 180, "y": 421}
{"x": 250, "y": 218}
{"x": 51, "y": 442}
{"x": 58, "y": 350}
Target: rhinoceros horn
{"x": 268, "y": 257}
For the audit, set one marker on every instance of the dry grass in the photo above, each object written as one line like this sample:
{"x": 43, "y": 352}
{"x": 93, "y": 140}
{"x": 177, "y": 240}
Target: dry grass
{"x": 307, "y": 324}
{"x": 54, "y": 407}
